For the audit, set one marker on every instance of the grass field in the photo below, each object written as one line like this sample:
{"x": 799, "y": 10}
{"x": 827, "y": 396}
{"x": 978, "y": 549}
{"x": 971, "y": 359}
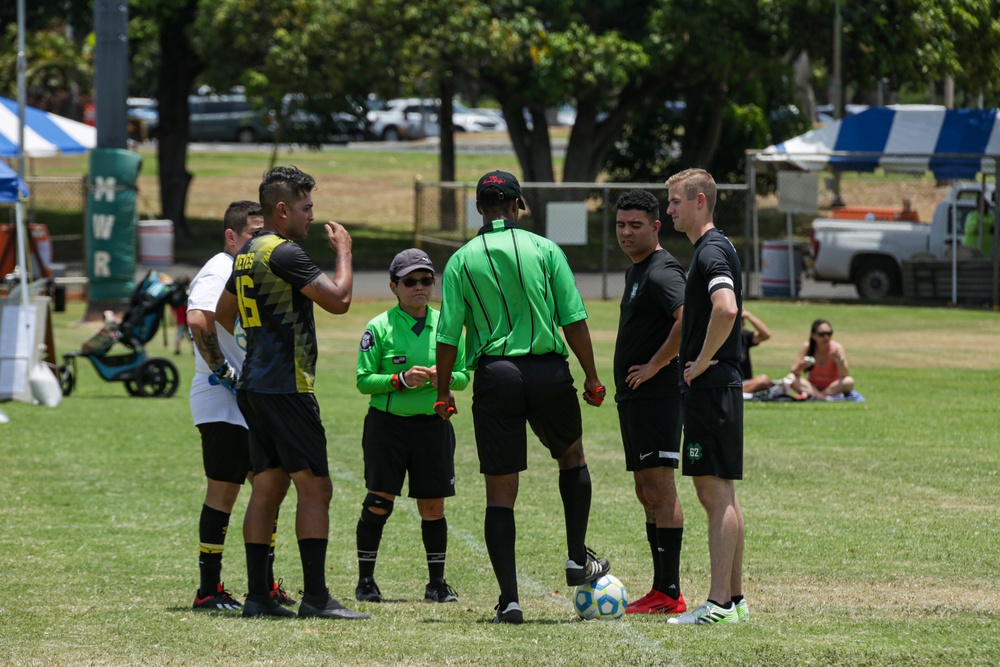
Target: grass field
{"x": 873, "y": 529}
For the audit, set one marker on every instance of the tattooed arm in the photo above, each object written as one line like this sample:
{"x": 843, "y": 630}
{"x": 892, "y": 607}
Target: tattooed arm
{"x": 202, "y": 325}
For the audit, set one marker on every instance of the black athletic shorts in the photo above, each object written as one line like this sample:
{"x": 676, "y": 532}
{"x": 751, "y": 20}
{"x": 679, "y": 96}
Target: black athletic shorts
{"x": 421, "y": 445}
{"x": 285, "y": 432}
{"x": 225, "y": 451}
{"x": 651, "y": 432}
{"x": 713, "y": 432}
{"x": 507, "y": 393}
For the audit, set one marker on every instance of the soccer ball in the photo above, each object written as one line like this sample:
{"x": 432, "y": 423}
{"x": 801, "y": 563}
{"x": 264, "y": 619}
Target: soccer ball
{"x": 603, "y": 599}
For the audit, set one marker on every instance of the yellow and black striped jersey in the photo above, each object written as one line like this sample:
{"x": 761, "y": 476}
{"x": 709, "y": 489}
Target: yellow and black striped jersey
{"x": 268, "y": 275}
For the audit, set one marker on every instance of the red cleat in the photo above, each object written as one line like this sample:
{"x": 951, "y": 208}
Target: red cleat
{"x": 656, "y": 602}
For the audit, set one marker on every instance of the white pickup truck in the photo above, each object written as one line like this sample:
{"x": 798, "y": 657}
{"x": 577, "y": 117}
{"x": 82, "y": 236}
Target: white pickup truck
{"x": 870, "y": 253}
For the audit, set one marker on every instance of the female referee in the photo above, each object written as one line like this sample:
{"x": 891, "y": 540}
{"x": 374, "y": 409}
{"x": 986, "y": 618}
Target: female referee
{"x": 403, "y": 435}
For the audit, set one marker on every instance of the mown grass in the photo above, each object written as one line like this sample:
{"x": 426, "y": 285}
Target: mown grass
{"x": 872, "y": 528}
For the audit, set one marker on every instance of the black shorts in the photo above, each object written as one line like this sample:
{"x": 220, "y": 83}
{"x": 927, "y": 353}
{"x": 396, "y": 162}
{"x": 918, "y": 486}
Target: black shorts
{"x": 713, "y": 432}
{"x": 651, "y": 432}
{"x": 225, "y": 451}
{"x": 509, "y": 392}
{"x": 421, "y": 445}
{"x": 285, "y": 432}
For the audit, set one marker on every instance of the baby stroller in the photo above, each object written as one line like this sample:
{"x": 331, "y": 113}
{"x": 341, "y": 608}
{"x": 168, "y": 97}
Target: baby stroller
{"x": 142, "y": 375}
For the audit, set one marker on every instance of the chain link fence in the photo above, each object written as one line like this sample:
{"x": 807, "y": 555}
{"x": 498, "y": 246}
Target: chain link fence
{"x": 59, "y": 203}
{"x": 580, "y": 217}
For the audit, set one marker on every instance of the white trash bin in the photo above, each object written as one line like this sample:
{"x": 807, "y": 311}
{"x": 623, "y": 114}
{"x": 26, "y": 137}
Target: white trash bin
{"x": 156, "y": 242}
{"x": 774, "y": 268}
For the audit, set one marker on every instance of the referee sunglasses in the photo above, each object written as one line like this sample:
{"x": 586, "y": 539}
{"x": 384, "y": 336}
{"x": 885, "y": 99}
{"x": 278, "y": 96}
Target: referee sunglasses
{"x": 426, "y": 281}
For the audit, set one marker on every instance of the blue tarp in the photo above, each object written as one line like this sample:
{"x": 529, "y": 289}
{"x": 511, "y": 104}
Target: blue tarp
{"x": 8, "y": 185}
{"x": 951, "y": 143}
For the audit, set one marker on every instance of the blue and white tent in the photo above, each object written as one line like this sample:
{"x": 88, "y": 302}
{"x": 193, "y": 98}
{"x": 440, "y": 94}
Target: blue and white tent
{"x": 45, "y": 134}
{"x": 9, "y": 183}
{"x": 951, "y": 143}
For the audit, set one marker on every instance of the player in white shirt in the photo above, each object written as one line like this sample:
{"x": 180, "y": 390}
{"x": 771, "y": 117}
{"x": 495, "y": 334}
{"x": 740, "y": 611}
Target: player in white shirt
{"x": 224, "y": 436}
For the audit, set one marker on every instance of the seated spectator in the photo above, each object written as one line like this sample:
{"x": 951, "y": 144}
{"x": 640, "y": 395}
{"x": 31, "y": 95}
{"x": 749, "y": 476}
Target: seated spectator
{"x": 752, "y": 337}
{"x": 821, "y": 371}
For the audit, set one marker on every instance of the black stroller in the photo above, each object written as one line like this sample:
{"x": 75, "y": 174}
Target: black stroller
{"x": 142, "y": 375}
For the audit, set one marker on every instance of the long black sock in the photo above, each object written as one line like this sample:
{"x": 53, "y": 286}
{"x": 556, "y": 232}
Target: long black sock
{"x": 369, "y": 536}
{"x": 574, "y": 487}
{"x": 313, "y": 553}
{"x": 435, "y": 534}
{"x": 657, "y": 570}
{"x": 501, "y": 534}
{"x": 212, "y": 528}
{"x": 668, "y": 542}
{"x": 257, "y": 569}
{"x": 270, "y": 553}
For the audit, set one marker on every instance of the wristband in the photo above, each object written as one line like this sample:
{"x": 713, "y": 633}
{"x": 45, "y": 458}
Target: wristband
{"x": 402, "y": 381}
{"x": 451, "y": 410}
{"x": 593, "y": 395}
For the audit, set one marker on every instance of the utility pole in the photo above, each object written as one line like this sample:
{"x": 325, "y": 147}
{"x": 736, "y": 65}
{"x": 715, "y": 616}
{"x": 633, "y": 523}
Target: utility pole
{"x": 111, "y": 72}
{"x": 838, "y": 89}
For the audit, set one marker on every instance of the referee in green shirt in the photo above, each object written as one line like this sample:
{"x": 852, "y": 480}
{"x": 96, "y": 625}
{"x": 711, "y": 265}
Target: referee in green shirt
{"x": 402, "y": 434}
{"x": 511, "y": 290}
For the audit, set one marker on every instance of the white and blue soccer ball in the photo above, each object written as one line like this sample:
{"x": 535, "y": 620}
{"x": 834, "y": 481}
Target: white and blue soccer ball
{"x": 603, "y": 599}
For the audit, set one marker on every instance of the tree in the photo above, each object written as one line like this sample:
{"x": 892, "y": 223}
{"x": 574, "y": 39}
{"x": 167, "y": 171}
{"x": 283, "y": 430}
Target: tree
{"x": 179, "y": 66}
{"x": 59, "y": 69}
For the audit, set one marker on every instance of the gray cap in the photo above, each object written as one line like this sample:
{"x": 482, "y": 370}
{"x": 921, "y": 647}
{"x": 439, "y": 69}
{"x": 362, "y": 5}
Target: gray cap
{"x": 408, "y": 261}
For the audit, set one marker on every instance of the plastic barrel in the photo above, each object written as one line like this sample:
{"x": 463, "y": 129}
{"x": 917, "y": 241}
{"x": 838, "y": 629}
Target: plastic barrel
{"x": 156, "y": 242}
{"x": 774, "y": 268}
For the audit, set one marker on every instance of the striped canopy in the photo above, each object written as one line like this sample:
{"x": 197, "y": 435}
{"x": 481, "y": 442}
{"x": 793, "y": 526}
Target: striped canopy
{"x": 951, "y": 143}
{"x": 45, "y": 134}
{"x": 8, "y": 185}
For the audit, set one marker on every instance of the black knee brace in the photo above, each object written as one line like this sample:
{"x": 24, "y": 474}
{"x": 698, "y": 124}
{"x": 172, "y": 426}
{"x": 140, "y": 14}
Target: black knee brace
{"x": 372, "y": 500}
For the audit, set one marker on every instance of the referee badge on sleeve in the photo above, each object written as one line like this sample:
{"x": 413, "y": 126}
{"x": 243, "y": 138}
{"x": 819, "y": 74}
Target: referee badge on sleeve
{"x": 367, "y": 340}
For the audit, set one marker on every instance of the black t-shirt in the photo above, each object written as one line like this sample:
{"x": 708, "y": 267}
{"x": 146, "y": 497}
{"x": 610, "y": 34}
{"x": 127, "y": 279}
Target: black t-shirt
{"x": 745, "y": 366}
{"x": 714, "y": 266}
{"x": 654, "y": 289}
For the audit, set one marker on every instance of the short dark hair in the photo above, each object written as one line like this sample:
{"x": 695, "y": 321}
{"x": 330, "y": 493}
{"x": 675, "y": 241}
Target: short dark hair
{"x": 495, "y": 208}
{"x": 236, "y": 215}
{"x": 288, "y": 184}
{"x": 639, "y": 200}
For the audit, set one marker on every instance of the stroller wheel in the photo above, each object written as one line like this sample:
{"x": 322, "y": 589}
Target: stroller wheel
{"x": 67, "y": 381}
{"x": 132, "y": 387}
{"x": 155, "y": 378}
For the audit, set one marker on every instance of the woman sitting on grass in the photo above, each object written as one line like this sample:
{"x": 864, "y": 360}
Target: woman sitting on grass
{"x": 824, "y": 363}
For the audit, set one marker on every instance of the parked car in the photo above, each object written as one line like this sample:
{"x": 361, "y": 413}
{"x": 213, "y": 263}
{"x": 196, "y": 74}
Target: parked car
{"x": 415, "y": 118}
{"x": 143, "y": 118}
{"x": 305, "y": 122}
{"x": 228, "y": 118}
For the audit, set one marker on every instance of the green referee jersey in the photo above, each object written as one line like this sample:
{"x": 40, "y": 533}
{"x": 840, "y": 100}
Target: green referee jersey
{"x": 389, "y": 347}
{"x": 511, "y": 290}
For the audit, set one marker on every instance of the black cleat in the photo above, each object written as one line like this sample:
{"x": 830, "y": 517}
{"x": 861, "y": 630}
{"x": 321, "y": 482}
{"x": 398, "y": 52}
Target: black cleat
{"x": 511, "y": 614}
{"x": 438, "y": 590}
{"x": 220, "y": 600}
{"x": 330, "y": 608}
{"x": 279, "y": 595}
{"x": 594, "y": 568}
{"x": 367, "y": 591}
{"x": 264, "y": 606}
